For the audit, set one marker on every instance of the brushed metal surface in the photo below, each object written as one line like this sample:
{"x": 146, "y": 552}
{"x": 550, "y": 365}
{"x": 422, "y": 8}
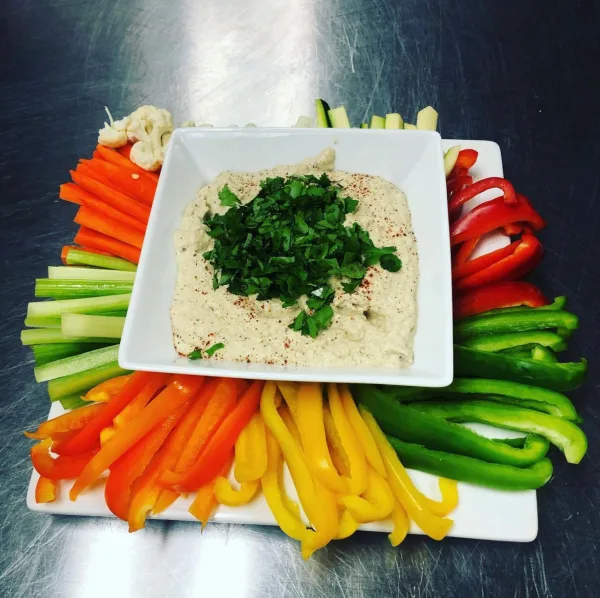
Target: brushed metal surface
{"x": 521, "y": 73}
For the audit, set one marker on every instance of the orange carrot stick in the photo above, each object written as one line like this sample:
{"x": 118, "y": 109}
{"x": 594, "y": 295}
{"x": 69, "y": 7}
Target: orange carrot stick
{"x": 105, "y": 153}
{"x": 125, "y": 150}
{"x": 114, "y": 198}
{"x": 179, "y": 390}
{"x": 89, "y": 436}
{"x": 45, "y": 490}
{"x": 135, "y": 185}
{"x": 92, "y": 218}
{"x": 205, "y": 503}
{"x": 73, "y": 193}
{"x": 219, "y": 403}
{"x": 96, "y": 241}
{"x": 132, "y": 464}
{"x": 147, "y": 489}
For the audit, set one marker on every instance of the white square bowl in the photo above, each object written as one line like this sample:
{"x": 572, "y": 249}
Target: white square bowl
{"x": 412, "y": 160}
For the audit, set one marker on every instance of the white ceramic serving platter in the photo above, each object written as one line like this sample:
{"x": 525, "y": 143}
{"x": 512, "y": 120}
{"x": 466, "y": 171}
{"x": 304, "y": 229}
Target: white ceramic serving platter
{"x": 482, "y": 514}
{"x": 412, "y": 160}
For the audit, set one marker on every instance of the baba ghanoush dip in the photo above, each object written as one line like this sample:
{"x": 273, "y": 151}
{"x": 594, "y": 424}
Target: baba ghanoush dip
{"x": 373, "y": 325}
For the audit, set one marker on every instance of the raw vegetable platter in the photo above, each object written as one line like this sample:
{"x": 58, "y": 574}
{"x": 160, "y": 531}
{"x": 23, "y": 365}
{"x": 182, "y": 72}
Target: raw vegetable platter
{"x": 482, "y": 513}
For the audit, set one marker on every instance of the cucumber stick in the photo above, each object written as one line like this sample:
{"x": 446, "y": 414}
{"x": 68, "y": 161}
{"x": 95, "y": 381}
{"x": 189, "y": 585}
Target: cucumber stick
{"x": 81, "y": 382}
{"x": 78, "y": 325}
{"x": 393, "y": 121}
{"x": 78, "y": 257}
{"x": 339, "y": 118}
{"x": 364, "y": 126}
{"x": 76, "y": 273}
{"x": 76, "y": 364}
{"x": 322, "y": 114}
{"x": 377, "y": 122}
{"x": 45, "y": 336}
{"x": 88, "y": 305}
{"x": 72, "y": 289}
{"x": 450, "y": 158}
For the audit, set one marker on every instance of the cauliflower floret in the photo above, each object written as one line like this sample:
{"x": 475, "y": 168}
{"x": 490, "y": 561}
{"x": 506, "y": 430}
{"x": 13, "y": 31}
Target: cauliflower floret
{"x": 149, "y": 129}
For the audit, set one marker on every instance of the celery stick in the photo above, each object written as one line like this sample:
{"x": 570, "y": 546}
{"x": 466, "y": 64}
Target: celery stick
{"x": 73, "y": 402}
{"x": 45, "y": 336}
{"x": 377, "y": 122}
{"x": 46, "y": 353}
{"x": 78, "y": 325}
{"x": 43, "y": 322}
{"x": 72, "y": 289}
{"x": 364, "y": 126}
{"x": 75, "y": 273}
{"x": 83, "y": 381}
{"x": 76, "y": 364}
{"x": 78, "y": 257}
{"x": 88, "y": 305}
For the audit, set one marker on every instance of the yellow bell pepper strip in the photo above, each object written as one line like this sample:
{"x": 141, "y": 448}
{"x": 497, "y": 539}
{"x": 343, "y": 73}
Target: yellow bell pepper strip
{"x": 293, "y": 455}
{"x": 361, "y": 431}
{"x": 180, "y": 389}
{"x": 329, "y": 513}
{"x": 227, "y": 495}
{"x": 348, "y": 525}
{"x": 314, "y": 443}
{"x": 401, "y": 525}
{"x": 288, "y": 420}
{"x": 89, "y": 436}
{"x": 403, "y": 488}
{"x": 449, "y": 502}
{"x": 45, "y": 490}
{"x": 357, "y": 463}
{"x": 288, "y": 520}
{"x": 289, "y": 390}
{"x": 57, "y": 468}
{"x": 251, "y": 451}
{"x": 105, "y": 390}
{"x": 147, "y": 488}
{"x": 68, "y": 422}
{"x": 205, "y": 502}
{"x": 376, "y": 503}
{"x": 128, "y": 468}
{"x": 131, "y": 410}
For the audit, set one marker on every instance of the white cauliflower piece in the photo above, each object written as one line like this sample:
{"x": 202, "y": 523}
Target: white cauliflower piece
{"x": 149, "y": 129}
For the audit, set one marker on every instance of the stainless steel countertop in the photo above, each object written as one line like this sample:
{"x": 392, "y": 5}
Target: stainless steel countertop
{"x": 521, "y": 73}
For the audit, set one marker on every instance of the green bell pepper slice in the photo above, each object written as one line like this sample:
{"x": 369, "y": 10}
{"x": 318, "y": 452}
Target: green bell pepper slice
{"x": 527, "y": 339}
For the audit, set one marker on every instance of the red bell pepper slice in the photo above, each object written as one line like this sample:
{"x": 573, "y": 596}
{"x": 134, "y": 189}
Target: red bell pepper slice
{"x": 45, "y": 490}
{"x": 71, "y": 421}
{"x": 460, "y": 198}
{"x": 491, "y": 215}
{"x": 60, "y": 468}
{"x": 458, "y": 183}
{"x": 497, "y": 295}
{"x": 214, "y": 456}
{"x": 526, "y": 255}
{"x": 466, "y": 158}
{"x": 484, "y": 261}
{"x": 465, "y": 251}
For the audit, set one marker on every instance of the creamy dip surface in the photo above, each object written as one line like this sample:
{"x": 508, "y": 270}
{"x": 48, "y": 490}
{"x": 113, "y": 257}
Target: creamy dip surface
{"x": 373, "y": 326}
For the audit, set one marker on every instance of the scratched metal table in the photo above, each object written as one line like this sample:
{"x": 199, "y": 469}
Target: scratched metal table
{"x": 521, "y": 73}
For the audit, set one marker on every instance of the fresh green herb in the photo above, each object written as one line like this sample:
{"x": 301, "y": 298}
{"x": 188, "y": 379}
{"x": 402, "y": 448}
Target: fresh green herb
{"x": 197, "y": 354}
{"x": 212, "y": 350}
{"x": 289, "y": 242}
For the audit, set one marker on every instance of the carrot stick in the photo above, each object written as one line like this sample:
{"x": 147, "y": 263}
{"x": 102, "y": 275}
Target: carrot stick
{"x": 92, "y": 218}
{"x": 220, "y": 399}
{"x": 137, "y": 186}
{"x": 105, "y": 153}
{"x": 179, "y": 390}
{"x": 132, "y": 464}
{"x": 85, "y": 169}
{"x": 114, "y": 214}
{"x": 97, "y": 242}
{"x": 110, "y": 196}
{"x": 73, "y": 193}
{"x": 205, "y": 503}
{"x": 147, "y": 489}
{"x": 87, "y": 438}
{"x": 125, "y": 150}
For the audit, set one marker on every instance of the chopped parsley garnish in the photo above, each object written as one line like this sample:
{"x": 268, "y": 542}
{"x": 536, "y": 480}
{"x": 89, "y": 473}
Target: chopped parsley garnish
{"x": 197, "y": 354}
{"x": 288, "y": 242}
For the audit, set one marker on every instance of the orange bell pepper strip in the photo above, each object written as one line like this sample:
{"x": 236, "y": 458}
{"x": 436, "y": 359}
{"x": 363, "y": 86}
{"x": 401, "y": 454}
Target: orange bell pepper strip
{"x": 205, "y": 503}
{"x": 220, "y": 403}
{"x": 242, "y": 387}
{"x": 147, "y": 488}
{"x": 45, "y": 490}
{"x": 401, "y": 525}
{"x": 105, "y": 390}
{"x": 216, "y": 453}
{"x": 178, "y": 391}
{"x": 128, "y": 468}
{"x": 89, "y": 435}
{"x": 403, "y": 488}
{"x": 130, "y": 411}
{"x": 60, "y": 468}
{"x": 309, "y": 419}
{"x": 68, "y": 422}
{"x": 365, "y": 438}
